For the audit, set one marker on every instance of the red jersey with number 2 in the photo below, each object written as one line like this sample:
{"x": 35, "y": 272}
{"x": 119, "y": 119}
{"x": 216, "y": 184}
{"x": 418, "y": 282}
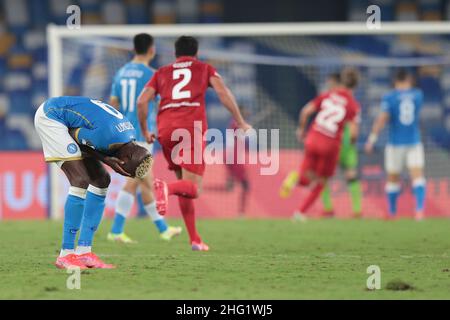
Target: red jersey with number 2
{"x": 182, "y": 87}
{"x": 322, "y": 144}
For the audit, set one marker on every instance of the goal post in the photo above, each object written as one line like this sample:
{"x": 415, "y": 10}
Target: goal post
{"x": 272, "y": 67}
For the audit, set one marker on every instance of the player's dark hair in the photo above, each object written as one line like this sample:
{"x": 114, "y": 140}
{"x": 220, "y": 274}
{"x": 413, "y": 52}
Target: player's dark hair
{"x": 349, "y": 78}
{"x": 142, "y": 42}
{"x": 335, "y": 76}
{"x": 186, "y": 46}
{"x": 402, "y": 75}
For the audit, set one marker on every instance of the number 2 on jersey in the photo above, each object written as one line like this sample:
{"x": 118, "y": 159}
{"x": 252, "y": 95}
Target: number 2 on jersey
{"x": 177, "y": 91}
{"x": 330, "y": 116}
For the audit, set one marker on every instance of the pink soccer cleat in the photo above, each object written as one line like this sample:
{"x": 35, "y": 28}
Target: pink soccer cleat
{"x": 69, "y": 262}
{"x": 199, "y": 246}
{"x": 91, "y": 260}
{"x": 161, "y": 195}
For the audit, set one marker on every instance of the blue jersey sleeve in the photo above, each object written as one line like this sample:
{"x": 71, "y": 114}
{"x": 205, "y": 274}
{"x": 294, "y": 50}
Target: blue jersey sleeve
{"x": 115, "y": 87}
{"x": 385, "y": 104}
{"x": 89, "y": 137}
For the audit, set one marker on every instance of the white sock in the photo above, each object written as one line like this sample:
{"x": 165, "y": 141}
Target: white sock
{"x": 124, "y": 203}
{"x": 65, "y": 252}
{"x": 152, "y": 212}
{"x": 83, "y": 250}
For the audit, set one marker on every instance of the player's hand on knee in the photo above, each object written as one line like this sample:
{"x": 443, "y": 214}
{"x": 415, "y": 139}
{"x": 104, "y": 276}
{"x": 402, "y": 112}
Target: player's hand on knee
{"x": 116, "y": 165}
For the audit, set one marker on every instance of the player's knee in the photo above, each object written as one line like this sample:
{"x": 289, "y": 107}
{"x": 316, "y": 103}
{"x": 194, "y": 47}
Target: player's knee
{"x": 102, "y": 180}
{"x": 352, "y": 178}
{"x": 80, "y": 181}
{"x": 419, "y": 182}
{"x": 393, "y": 177}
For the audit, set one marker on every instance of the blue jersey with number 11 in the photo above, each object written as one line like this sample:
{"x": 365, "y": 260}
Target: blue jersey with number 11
{"x": 127, "y": 85}
{"x": 403, "y": 107}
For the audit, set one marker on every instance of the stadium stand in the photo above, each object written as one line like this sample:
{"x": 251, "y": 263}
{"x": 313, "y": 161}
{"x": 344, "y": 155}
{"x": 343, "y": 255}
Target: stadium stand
{"x": 23, "y": 54}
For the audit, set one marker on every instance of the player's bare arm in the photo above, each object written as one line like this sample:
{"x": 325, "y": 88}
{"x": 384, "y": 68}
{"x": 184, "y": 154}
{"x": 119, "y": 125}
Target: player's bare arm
{"x": 114, "y": 102}
{"x": 113, "y": 162}
{"x": 354, "y": 130}
{"x": 227, "y": 98}
{"x": 147, "y": 95}
{"x": 378, "y": 125}
{"x": 304, "y": 116}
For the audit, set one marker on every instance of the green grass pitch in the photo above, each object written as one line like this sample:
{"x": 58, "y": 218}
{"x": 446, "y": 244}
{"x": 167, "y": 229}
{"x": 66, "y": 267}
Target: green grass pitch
{"x": 249, "y": 259}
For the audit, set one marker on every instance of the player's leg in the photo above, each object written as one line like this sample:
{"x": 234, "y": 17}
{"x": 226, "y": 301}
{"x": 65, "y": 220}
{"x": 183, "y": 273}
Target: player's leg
{"x": 59, "y": 147}
{"x": 124, "y": 203}
{"x": 166, "y": 232}
{"x": 322, "y": 166}
{"x": 140, "y": 204}
{"x": 188, "y": 210}
{"x": 327, "y": 202}
{"x": 94, "y": 206}
{"x": 415, "y": 162}
{"x": 393, "y": 162}
{"x": 289, "y": 183}
{"x": 350, "y": 163}
{"x": 245, "y": 184}
{"x": 78, "y": 178}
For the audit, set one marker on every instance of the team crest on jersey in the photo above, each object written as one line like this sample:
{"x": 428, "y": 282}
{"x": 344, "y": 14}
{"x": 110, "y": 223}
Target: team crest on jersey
{"x": 72, "y": 148}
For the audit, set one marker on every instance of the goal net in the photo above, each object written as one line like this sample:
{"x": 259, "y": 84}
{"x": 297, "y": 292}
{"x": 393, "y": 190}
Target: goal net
{"x": 274, "y": 71}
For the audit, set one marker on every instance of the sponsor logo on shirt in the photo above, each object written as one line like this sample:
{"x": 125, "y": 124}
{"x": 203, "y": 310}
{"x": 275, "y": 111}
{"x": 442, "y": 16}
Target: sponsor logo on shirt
{"x": 124, "y": 126}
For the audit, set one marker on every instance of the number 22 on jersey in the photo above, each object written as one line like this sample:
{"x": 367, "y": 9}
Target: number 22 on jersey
{"x": 331, "y": 114}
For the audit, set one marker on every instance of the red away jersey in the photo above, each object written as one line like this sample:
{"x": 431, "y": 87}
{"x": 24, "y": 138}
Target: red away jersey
{"x": 335, "y": 108}
{"x": 182, "y": 87}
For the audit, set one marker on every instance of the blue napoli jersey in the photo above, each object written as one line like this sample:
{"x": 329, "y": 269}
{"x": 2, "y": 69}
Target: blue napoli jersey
{"x": 128, "y": 83}
{"x": 100, "y": 125}
{"x": 403, "y": 107}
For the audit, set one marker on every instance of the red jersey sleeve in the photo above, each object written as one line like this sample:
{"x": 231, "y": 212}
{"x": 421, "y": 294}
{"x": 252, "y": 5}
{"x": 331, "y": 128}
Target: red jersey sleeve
{"x": 153, "y": 83}
{"x": 317, "y": 101}
{"x": 355, "y": 112}
{"x": 212, "y": 72}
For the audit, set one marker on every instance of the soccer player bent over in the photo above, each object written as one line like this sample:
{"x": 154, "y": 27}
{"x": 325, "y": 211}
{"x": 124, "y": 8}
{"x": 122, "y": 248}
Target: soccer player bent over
{"x": 400, "y": 109}
{"x": 79, "y": 133}
{"x": 128, "y": 83}
{"x": 182, "y": 87}
{"x": 335, "y": 109}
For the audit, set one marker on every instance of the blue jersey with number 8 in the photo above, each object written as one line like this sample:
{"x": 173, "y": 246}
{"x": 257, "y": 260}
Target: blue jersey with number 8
{"x": 403, "y": 107}
{"x": 126, "y": 87}
{"x": 100, "y": 125}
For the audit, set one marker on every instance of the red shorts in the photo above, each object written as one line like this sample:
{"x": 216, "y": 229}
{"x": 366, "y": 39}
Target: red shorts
{"x": 321, "y": 157}
{"x": 183, "y": 153}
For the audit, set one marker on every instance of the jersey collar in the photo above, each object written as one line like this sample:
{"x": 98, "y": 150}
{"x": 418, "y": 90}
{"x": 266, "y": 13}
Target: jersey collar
{"x": 184, "y": 58}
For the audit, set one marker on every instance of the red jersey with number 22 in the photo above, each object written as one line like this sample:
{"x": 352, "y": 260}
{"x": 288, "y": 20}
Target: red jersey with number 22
{"x": 322, "y": 144}
{"x": 334, "y": 109}
{"x": 182, "y": 87}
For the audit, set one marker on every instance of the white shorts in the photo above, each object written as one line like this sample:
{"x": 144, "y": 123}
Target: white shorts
{"x": 396, "y": 157}
{"x": 57, "y": 143}
{"x": 146, "y": 145}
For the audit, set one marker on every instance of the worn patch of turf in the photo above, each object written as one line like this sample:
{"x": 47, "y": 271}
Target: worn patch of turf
{"x": 249, "y": 259}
